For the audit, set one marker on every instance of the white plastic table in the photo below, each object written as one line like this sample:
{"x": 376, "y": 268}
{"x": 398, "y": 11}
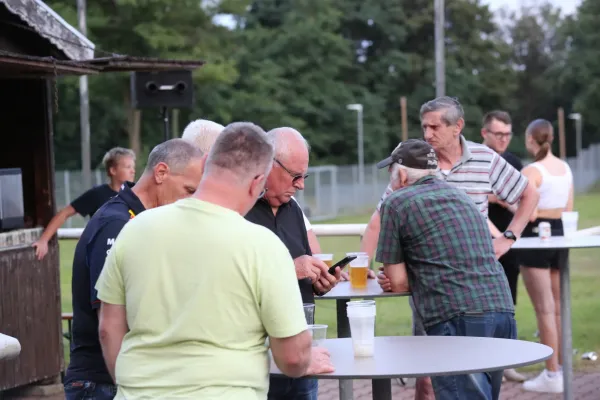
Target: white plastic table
{"x": 342, "y": 293}
{"x": 417, "y": 356}
{"x": 553, "y": 243}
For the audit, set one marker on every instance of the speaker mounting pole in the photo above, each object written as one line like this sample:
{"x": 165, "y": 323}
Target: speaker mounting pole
{"x": 164, "y": 114}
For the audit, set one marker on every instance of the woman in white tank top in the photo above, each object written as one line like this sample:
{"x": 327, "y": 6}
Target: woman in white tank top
{"x": 540, "y": 268}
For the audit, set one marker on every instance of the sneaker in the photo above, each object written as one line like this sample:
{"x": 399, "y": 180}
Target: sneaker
{"x": 544, "y": 383}
{"x": 514, "y": 376}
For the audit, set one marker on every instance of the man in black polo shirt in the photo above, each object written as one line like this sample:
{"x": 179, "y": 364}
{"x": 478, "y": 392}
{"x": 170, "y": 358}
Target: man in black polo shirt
{"x": 497, "y": 133}
{"x": 173, "y": 172}
{"x": 284, "y": 217}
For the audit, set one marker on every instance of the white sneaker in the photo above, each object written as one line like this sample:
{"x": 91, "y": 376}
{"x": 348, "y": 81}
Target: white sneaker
{"x": 545, "y": 383}
{"x": 514, "y": 376}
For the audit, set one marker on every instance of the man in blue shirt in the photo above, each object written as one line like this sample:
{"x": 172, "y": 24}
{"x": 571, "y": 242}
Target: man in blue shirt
{"x": 173, "y": 172}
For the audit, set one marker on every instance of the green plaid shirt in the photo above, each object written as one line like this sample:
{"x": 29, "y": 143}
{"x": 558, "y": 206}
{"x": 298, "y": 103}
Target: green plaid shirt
{"x": 438, "y": 232}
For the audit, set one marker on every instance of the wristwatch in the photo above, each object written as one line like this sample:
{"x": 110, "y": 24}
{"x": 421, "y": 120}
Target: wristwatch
{"x": 510, "y": 235}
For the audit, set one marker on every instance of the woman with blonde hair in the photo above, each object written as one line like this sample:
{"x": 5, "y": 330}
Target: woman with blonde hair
{"x": 540, "y": 268}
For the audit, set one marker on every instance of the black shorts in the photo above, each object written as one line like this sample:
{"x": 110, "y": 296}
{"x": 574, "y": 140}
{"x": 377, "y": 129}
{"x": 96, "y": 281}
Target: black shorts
{"x": 554, "y": 259}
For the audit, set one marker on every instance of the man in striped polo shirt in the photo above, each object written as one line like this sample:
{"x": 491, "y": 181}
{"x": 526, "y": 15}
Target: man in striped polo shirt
{"x": 474, "y": 168}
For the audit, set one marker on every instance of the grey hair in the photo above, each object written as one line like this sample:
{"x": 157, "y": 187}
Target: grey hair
{"x": 202, "y": 133}
{"x": 283, "y": 140}
{"x": 242, "y": 148}
{"x": 112, "y": 157}
{"x": 176, "y": 153}
{"x": 412, "y": 174}
{"x": 453, "y": 111}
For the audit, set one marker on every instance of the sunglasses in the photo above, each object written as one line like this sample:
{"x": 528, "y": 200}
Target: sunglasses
{"x": 295, "y": 177}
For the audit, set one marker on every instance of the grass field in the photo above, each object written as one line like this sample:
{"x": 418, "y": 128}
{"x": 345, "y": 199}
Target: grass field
{"x": 393, "y": 315}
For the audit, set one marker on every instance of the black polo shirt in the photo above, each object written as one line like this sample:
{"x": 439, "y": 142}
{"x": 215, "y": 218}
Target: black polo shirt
{"x": 96, "y": 241}
{"x": 288, "y": 225}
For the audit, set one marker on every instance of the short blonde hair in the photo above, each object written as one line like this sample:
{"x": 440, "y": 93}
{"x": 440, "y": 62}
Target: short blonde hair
{"x": 202, "y": 133}
{"x": 112, "y": 157}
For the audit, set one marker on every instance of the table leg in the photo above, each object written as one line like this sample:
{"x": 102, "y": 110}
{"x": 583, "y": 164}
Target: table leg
{"x": 567, "y": 339}
{"x": 382, "y": 389}
{"x": 343, "y": 331}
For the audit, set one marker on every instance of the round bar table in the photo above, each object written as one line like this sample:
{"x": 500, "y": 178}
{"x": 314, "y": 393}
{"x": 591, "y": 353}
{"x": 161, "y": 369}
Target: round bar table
{"x": 417, "y": 356}
{"x": 342, "y": 293}
{"x": 554, "y": 243}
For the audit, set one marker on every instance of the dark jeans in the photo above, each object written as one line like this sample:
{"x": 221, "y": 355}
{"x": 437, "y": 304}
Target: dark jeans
{"x": 293, "y": 389}
{"x": 479, "y": 386}
{"x": 86, "y": 390}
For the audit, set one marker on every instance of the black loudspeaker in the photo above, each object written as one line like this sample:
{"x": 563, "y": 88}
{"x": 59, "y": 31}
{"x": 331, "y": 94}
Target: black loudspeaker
{"x": 164, "y": 89}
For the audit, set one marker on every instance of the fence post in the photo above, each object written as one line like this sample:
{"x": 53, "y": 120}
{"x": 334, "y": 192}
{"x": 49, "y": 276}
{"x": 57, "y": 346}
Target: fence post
{"x": 67, "y": 181}
{"x": 98, "y": 177}
{"x": 318, "y": 190}
{"x": 334, "y": 190}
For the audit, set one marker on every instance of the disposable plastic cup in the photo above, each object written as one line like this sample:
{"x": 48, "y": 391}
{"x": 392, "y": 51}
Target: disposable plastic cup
{"x": 359, "y": 271}
{"x": 319, "y": 334}
{"x": 326, "y": 258}
{"x": 309, "y": 313}
{"x": 569, "y": 221}
{"x": 361, "y": 315}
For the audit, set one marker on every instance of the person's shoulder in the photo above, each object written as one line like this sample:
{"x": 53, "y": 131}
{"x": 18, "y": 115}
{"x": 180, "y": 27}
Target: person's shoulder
{"x": 480, "y": 148}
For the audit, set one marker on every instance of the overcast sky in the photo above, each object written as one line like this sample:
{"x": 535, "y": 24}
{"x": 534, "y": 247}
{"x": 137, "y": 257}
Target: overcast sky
{"x": 568, "y": 6}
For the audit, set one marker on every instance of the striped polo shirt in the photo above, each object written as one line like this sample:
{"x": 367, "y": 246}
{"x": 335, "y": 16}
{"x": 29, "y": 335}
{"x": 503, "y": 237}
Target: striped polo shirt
{"x": 479, "y": 172}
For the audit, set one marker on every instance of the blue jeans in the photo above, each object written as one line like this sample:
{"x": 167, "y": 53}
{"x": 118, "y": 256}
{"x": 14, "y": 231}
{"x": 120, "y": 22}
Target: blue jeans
{"x": 293, "y": 389}
{"x": 87, "y": 390}
{"x": 478, "y": 386}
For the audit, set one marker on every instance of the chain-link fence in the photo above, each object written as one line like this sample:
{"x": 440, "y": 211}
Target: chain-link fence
{"x": 332, "y": 191}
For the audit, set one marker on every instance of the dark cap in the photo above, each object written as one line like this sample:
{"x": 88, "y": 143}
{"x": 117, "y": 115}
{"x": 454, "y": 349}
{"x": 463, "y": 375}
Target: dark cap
{"x": 412, "y": 153}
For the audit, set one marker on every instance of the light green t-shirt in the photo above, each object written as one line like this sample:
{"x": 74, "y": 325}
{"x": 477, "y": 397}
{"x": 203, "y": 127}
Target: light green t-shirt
{"x": 202, "y": 288}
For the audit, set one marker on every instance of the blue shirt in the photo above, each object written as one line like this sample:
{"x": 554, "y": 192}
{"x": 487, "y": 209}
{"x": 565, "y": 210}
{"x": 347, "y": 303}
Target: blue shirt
{"x": 87, "y": 362}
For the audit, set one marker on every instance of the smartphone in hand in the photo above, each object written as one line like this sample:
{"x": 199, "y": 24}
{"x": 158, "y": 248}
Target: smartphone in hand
{"x": 342, "y": 263}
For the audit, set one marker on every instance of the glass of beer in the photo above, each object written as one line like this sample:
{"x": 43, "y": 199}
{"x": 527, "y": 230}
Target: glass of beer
{"x": 359, "y": 269}
{"x": 326, "y": 258}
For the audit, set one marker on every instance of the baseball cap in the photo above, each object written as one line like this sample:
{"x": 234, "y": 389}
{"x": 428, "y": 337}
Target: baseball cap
{"x": 412, "y": 153}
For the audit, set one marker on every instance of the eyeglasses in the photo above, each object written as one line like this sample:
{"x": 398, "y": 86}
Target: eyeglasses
{"x": 295, "y": 177}
{"x": 501, "y": 135}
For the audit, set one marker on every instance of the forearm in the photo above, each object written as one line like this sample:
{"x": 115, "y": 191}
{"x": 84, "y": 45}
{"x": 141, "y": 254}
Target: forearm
{"x": 398, "y": 277}
{"x": 111, "y": 345}
{"x": 526, "y": 207}
{"x": 369, "y": 240}
{"x": 493, "y": 229}
{"x": 56, "y": 222}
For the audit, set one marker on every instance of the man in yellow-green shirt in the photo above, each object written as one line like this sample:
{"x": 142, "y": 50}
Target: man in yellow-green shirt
{"x": 191, "y": 291}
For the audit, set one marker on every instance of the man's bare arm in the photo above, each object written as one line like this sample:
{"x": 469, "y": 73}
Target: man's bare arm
{"x": 398, "y": 277}
{"x": 371, "y": 235}
{"x": 112, "y": 329}
{"x": 527, "y": 204}
{"x": 292, "y": 355}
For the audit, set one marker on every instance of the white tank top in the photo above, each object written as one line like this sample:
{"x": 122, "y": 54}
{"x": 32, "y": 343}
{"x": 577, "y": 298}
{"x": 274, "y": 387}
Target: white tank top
{"x": 554, "y": 190}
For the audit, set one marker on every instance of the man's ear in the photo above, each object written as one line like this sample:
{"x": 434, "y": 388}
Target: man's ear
{"x": 161, "y": 170}
{"x": 460, "y": 124}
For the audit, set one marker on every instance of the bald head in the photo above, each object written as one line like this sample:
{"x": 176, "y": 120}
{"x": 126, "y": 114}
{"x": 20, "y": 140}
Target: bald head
{"x": 242, "y": 149}
{"x": 202, "y": 133}
{"x": 288, "y": 142}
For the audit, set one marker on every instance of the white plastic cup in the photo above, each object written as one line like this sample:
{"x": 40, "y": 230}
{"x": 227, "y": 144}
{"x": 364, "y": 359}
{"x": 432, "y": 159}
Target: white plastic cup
{"x": 309, "y": 313}
{"x": 318, "y": 333}
{"x": 569, "y": 221}
{"x": 361, "y": 315}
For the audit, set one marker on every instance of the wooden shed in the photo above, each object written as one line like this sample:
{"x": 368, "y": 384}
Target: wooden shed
{"x": 37, "y": 47}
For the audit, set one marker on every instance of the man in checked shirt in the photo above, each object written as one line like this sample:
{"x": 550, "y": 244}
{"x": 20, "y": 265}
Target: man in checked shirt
{"x": 435, "y": 242}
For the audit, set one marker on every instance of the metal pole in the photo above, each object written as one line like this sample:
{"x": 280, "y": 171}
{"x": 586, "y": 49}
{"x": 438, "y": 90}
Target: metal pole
{"x": 165, "y": 117}
{"x": 361, "y": 151}
{"x": 440, "y": 64}
{"x": 84, "y": 105}
{"x": 578, "y": 145}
